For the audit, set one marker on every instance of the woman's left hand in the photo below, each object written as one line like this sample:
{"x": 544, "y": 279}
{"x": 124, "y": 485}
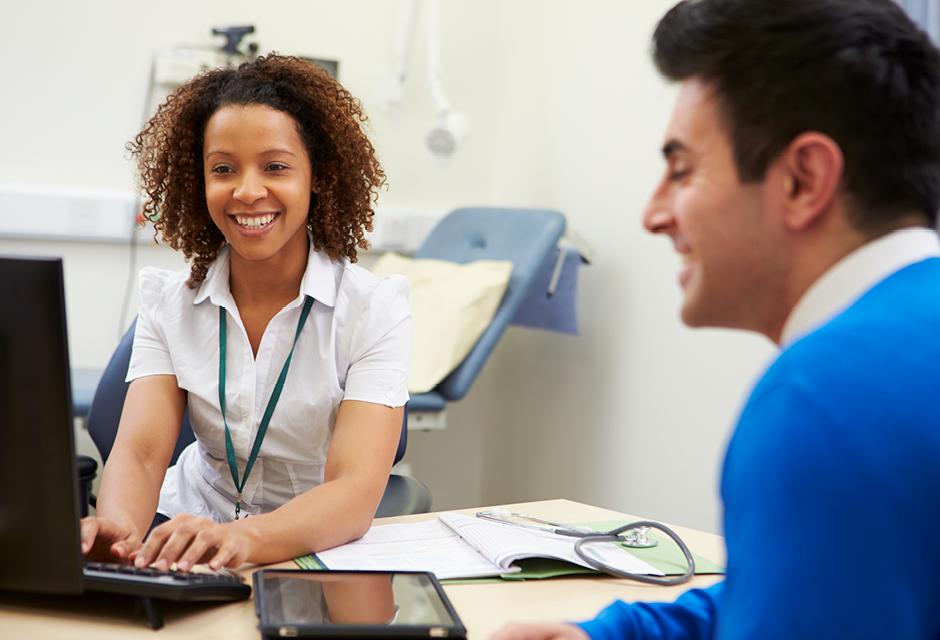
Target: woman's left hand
{"x": 189, "y": 540}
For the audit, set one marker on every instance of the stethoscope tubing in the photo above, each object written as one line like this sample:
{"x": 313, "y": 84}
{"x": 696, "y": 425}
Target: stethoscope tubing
{"x": 614, "y": 536}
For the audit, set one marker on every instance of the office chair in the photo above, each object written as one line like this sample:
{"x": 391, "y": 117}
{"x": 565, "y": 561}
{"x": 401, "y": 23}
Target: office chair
{"x": 403, "y": 494}
{"x": 527, "y": 238}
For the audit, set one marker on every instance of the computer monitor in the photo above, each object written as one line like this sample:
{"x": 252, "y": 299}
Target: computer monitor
{"x": 39, "y": 527}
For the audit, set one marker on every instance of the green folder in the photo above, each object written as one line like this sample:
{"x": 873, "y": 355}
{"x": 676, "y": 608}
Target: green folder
{"x": 309, "y": 562}
{"x": 665, "y": 556}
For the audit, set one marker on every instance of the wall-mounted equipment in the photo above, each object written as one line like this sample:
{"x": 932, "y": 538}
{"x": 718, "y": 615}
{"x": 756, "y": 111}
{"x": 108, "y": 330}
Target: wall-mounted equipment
{"x": 449, "y": 126}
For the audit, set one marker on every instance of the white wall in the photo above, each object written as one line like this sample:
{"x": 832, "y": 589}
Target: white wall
{"x": 76, "y": 75}
{"x": 566, "y": 112}
{"x": 633, "y": 414}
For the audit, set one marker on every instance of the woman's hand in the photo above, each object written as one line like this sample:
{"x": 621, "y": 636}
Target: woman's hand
{"x": 539, "y": 632}
{"x": 189, "y": 540}
{"x": 106, "y": 540}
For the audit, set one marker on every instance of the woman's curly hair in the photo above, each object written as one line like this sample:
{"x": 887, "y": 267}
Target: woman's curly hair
{"x": 329, "y": 120}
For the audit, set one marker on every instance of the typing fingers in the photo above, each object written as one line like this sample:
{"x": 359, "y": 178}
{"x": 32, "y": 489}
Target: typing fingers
{"x": 174, "y": 547}
{"x": 169, "y": 541}
{"x": 153, "y": 544}
{"x": 231, "y": 553}
{"x": 89, "y": 532}
{"x": 203, "y": 545}
{"x": 105, "y": 539}
{"x": 187, "y": 541}
{"x": 125, "y": 547}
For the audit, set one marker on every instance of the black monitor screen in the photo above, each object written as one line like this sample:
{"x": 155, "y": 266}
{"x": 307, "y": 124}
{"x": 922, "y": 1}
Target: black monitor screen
{"x": 39, "y": 537}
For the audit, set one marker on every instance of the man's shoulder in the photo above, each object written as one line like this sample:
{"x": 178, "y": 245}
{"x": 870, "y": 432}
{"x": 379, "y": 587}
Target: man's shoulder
{"x": 878, "y": 358}
{"x": 891, "y": 317}
{"x": 913, "y": 287}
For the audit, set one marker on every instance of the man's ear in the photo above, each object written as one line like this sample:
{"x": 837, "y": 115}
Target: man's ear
{"x": 810, "y": 170}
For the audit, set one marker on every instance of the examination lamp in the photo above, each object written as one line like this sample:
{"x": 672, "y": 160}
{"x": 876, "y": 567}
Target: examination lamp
{"x": 449, "y": 127}
{"x": 447, "y": 133}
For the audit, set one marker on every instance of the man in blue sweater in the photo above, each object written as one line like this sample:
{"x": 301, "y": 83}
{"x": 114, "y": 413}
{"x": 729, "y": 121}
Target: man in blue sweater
{"x": 801, "y": 191}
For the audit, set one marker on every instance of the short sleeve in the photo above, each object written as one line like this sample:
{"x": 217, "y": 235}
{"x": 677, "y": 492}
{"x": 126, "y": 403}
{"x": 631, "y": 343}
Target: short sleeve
{"x": 380, "y": 347}
{"x": 150, "y": 355}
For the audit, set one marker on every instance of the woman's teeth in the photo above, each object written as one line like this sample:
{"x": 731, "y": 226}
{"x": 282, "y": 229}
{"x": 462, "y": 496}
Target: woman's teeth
{"x": 254, "y": 222}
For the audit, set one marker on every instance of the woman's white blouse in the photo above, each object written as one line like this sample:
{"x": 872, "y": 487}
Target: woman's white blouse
{"x": 355, "y": 345}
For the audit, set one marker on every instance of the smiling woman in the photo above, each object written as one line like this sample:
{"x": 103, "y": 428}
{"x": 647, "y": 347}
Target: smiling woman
{"x": 258, "y": 183}
{"x": 171, "y": 155}
{"x": 291, "y": 360}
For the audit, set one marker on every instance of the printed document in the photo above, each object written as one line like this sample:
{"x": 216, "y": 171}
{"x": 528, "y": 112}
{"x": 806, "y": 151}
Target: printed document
{"x": 460, "y": 546}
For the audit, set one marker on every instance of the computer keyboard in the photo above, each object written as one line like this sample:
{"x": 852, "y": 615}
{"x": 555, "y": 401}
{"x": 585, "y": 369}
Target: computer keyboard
{"x": 165, "y": 585}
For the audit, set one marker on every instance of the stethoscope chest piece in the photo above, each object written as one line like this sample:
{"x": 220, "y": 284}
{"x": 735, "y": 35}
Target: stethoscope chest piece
{"x": 638, "y": 539}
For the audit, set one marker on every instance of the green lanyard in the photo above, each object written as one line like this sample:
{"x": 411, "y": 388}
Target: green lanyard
{"x": 268, "y": 412}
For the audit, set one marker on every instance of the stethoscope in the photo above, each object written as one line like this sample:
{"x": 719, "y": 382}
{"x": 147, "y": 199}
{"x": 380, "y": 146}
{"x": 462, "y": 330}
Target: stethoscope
{"x": 633, "y": 535}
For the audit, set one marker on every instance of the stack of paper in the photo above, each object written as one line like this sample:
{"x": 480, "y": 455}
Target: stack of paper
{"x": 460, "y": 546}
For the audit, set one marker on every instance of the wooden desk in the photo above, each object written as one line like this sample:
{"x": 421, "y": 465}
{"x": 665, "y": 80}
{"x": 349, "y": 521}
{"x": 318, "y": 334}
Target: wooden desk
{"x": 482, "y": 607}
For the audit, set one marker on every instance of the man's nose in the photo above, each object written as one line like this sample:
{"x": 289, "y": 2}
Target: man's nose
{"x": 657, "y": 218}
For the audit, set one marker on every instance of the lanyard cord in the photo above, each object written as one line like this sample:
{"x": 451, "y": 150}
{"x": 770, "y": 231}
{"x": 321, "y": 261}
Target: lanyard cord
{"x": 268, "y": 412}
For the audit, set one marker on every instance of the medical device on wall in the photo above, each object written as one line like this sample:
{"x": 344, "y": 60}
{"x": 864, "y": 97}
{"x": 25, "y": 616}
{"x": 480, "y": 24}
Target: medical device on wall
{"x": 449, "y": 126}
{"x": 391, "y": 84}
{"x": 176, "y": 65}
{"x": 172, "y": 67}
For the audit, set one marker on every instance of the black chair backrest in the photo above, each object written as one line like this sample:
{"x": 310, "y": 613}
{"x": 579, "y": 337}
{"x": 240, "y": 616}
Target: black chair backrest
{"x": 105, "y": 412}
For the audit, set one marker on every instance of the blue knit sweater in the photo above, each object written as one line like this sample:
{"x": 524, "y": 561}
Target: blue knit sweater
{"x": 831, "y": 487}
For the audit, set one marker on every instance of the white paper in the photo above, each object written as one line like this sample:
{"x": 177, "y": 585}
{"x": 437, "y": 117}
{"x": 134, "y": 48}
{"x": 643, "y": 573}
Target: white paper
{"x": 459, "y": 546}
{"x": 504, "y": 543}
{"x": 423, "y": 546}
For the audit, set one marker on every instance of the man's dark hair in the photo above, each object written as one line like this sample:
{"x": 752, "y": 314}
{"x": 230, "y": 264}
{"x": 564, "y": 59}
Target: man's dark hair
{"x": 858, "y": 71}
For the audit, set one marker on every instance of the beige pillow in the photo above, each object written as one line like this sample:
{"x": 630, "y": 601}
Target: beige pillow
{"x": 452, "y": 304}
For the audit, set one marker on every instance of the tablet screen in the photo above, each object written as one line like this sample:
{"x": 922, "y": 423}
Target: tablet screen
{"x": 308, "y": 599}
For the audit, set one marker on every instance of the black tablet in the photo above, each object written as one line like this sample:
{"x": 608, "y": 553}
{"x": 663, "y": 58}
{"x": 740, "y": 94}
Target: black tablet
{"x": 353, "y": 604}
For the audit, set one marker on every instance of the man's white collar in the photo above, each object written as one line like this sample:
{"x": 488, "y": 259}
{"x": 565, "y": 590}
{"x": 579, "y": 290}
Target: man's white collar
{"x": 856, "y": 273}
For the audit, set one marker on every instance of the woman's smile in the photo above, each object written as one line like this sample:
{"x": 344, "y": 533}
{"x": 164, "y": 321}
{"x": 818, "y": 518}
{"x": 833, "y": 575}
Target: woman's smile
{"x": 258, "y": 182}
{"x": 254, "y": 224}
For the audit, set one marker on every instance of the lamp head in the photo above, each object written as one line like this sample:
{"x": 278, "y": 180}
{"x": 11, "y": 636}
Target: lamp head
{"x": 447, "y": 133}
